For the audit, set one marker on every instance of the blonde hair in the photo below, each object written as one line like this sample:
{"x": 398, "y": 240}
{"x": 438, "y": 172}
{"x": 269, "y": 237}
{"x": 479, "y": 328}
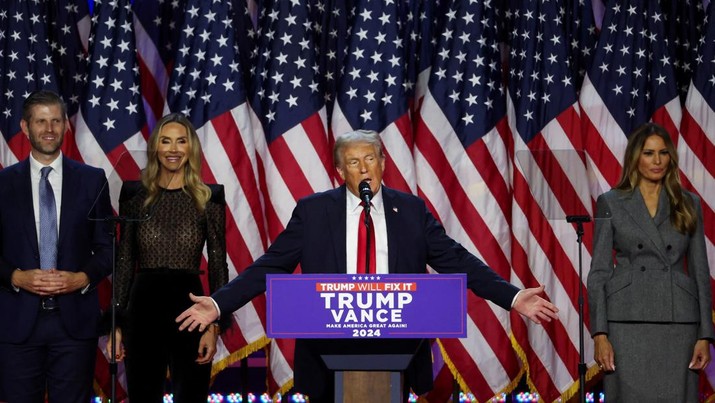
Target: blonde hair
{"x": 358, "y": 136}
{"x": 682, "y": 211}
{"x": 193, "y": 185}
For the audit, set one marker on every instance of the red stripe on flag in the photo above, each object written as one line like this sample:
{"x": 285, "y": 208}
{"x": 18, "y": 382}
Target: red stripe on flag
{"x": 708, "y": 215}
{"x": 468, "y": 369}
{"x": 468, "y": 216}
{"x": 314, "y": 129}
{"x": 663, "y": 118}
{"x": 392, "y": 176}
{"x": 698, "y": 142}
{"x": 491, "y": 173}
{"x": 289, "y": 169}
{"x": 151, "y": 92}
{"x": 19, "y": 145}
{"x": 237, "y": 152}
{"x": 608, "y": 165}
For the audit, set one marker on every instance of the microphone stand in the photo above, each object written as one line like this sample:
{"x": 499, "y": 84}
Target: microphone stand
{"x": 579, "y": 220}
{"x": 367, "y": 223}
{"x": 114, "y": 220}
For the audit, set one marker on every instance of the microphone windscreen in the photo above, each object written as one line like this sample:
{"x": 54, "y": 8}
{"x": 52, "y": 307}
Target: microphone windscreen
{"x": 365, "y": 190}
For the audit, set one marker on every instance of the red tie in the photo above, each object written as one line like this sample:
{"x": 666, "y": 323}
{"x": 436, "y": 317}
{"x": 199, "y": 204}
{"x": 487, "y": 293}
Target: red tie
{"x": 362, "y": 244}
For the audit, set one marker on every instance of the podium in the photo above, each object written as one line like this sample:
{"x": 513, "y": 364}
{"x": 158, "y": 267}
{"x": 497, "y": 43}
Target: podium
{"x": 366, "y": 331}
{"x": 368, "y": 368}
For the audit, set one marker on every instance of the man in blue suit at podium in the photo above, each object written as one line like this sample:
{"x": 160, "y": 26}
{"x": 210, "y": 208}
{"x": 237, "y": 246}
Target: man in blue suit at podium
{"x": 324, "y": 236}
{"x": 54, "y": 250}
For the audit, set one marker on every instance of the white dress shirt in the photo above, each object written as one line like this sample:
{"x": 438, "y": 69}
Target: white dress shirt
{"x": 377, "y": 212}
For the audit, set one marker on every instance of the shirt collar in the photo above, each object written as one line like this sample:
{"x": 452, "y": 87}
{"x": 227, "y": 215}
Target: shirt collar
{"x": 353, "y": 202}
{"x": 36, "y": 166}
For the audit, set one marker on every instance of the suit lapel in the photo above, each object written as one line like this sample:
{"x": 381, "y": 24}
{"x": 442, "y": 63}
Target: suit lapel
{"x": 336, "y": 217}
{"x": 636, "y": 208}
{"x": 23, "y": 185}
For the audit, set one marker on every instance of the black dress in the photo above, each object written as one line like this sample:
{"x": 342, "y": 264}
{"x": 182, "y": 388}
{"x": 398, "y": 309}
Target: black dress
{"x": 157, "y": 266}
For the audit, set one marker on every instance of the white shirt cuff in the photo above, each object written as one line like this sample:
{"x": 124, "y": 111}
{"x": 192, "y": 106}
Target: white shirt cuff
{"x": 217, "y": 308}
{"x": 513, "y": 301}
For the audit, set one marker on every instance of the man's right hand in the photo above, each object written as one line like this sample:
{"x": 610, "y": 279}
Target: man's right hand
{"x": 199, "y": 315}
{"x": 40, "y": 282}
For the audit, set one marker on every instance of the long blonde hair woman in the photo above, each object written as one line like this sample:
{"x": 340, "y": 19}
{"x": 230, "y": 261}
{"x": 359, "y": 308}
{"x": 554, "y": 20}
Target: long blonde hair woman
{"x": 159, "y": 264}
{"x": 191, "y": 177}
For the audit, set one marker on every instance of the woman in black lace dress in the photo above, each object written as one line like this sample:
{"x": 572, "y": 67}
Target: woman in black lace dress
{"x": 158, "y": 266}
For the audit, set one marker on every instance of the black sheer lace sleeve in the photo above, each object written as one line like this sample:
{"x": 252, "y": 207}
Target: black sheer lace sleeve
{"x": 127, "y": 250}
{"x": 216, "y": 245}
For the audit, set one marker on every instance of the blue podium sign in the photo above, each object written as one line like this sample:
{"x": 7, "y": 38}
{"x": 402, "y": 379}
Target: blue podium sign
{"x": 366, "y": 306}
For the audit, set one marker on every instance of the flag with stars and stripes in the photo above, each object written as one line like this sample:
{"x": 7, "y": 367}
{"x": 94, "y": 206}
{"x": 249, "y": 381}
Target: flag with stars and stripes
{"x": 26, "y": 65}
{"x": 549, "y": 184}
{"x": 157, "y": 25}
{"x": 288, "y": 102}
{"x": 631, "y": 81}
{"x": 206, "y": 84}
{"x": 461, "y": 165}
{"x": 111, "y": 116}
{"x": 373, "y": 88}
{"x": 69, "y": 23}
{"x": 697, "y": 148}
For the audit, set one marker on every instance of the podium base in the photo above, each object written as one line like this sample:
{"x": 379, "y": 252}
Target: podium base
{"x": 366, "y": 386}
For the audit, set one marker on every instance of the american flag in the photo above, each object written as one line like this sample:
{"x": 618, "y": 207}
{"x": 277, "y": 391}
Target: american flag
{"x": 69, "y": 22}
{"x": 372, "y": 93}
{"x": 26, "y": 65}
{"x": 582, "y": 35}
{"x": 207, "y": 85}
{"x": 684, "y": 22}
{"x": 631, "y": 81}
{"x": 157, "y": 24}
{"x": 697, "y": 147}
{"x": 452, "y": 133}
{"x": 110, "y": 116}
{"x": 461, "y": 162}
{"x": 544, "y": 121}
{"x": 291, "y": 120}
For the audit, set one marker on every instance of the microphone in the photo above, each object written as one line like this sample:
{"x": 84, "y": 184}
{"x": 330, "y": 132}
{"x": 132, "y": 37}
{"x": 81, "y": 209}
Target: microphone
{"x": 365, "y": 194}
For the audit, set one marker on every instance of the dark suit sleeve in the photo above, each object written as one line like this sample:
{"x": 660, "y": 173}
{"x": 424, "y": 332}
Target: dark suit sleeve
{"x": 282, "y": 257}
{"x": 445, "y": 255}
{"x": 130, "y": 206}
{"x": 99, "y": 265}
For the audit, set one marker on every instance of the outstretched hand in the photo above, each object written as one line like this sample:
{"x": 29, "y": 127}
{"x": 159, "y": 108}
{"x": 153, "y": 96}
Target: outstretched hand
{"x": 199, "y": 315}
{"x": 531, "y": 305}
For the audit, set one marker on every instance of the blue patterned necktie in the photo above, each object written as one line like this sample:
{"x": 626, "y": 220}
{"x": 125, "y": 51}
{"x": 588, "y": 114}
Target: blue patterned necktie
{"x": 48, "y": 223}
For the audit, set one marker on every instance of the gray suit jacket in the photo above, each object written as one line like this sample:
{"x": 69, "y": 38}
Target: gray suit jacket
{"x": 657, "y": 273}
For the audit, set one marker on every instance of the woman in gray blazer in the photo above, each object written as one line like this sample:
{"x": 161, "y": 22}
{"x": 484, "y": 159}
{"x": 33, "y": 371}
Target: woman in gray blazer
{"x": 649, "y": 283}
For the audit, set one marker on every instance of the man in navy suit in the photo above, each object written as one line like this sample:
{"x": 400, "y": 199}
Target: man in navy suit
{"x": 322, "y": 237}
{"x": 50, "y": 315}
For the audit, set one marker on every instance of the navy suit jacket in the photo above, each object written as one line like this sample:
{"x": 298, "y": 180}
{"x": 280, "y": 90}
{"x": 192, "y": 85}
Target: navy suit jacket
{"x": 84, "y": 244}
{"x": 315, "y": 239}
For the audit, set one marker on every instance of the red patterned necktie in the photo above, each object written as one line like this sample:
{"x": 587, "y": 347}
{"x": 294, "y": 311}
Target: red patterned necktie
{"x": 362, "y": 243}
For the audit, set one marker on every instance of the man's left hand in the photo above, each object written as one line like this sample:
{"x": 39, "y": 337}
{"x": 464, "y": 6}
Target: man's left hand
{"x": 531, "y": 305}
{"x": 60, "y": 282}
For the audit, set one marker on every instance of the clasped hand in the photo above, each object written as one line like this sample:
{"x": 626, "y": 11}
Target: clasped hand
{"x": 49, "y": 282}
